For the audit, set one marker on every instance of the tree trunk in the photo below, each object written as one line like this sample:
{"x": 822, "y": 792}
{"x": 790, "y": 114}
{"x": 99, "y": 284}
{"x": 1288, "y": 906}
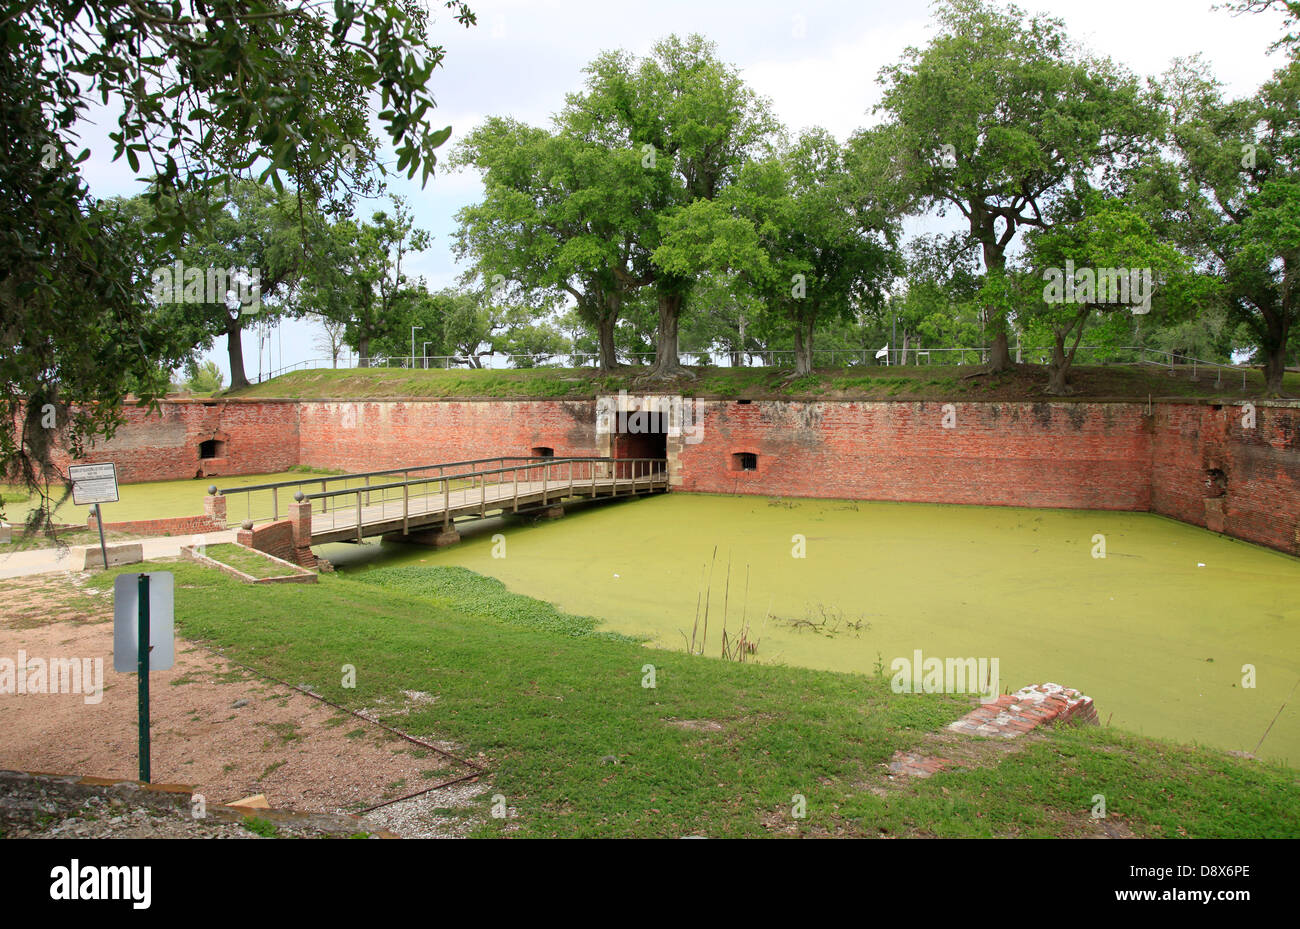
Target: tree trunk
{"x": 1274, "y": 368}
{"x": 363, "y": 351}
{"x": 995, "y": 261}
{"x": 1277, "y": 330}
{"x": 608, "y": 354}
{"x": 605, "y": 330}
{"x": 1000, "y": 350}
{"x": 666, "y": 361}
{"x": 803, "y": 347}
{"x": 235, "y": 352}
{"x": 1057, "y": 373}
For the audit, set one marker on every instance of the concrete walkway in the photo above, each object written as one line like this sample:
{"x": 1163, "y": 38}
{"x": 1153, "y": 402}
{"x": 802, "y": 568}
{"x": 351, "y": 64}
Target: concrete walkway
{"x": 53, "y": 560}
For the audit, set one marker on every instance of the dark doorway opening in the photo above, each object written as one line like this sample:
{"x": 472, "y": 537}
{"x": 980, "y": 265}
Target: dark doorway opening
{"x": 212, "y": 448}
{"x": 543, "y": 451}
{"x": 641, "y": 436}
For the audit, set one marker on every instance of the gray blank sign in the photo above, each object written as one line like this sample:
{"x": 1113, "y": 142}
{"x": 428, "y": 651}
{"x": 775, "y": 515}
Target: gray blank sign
{"x": 126, "y": 626}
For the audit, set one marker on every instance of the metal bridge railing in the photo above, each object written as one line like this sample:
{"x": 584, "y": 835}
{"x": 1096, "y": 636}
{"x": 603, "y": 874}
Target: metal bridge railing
{"x": 269, "y": 502}
{"x": 441, "y": 495}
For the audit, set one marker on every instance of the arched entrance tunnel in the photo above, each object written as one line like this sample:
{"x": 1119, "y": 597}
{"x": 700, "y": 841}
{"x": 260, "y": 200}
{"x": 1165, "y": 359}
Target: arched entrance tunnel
{"x": 640, "y": 435}
{"x": 637, "y": 427}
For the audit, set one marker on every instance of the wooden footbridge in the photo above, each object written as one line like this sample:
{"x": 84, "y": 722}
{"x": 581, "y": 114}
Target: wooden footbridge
{"x": 423, "y": 502}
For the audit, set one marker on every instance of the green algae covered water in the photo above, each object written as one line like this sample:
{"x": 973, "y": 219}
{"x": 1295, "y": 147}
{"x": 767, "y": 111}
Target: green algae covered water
{"x": 1157, "y": 632}
{"x": 158, "y": 499}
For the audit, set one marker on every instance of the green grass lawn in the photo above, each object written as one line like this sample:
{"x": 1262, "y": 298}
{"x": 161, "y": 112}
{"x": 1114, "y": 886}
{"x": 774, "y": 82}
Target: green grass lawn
{"x": 547, "y": 698}
{"x": 252, "y": 563}
{"x": 907, "y": 383}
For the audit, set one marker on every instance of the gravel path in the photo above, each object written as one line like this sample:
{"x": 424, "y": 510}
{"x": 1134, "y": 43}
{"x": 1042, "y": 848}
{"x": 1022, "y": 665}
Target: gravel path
{"x": 215, "y": 726}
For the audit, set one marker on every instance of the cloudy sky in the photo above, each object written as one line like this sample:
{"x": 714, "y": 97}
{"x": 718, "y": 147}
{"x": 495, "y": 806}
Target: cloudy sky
{"x": 816, "y": 61}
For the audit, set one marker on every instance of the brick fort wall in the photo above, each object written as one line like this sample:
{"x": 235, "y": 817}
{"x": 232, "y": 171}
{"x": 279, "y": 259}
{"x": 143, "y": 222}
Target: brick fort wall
{"x": 256, "y": 437}
{"x": 1202, "y": 463}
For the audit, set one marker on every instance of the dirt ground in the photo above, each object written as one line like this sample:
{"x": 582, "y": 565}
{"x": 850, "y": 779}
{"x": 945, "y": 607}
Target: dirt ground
{"x": 214, "y": 726}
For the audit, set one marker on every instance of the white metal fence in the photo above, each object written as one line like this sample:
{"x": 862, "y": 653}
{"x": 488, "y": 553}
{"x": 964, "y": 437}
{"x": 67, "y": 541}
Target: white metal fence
{"x": 783, "y": 358}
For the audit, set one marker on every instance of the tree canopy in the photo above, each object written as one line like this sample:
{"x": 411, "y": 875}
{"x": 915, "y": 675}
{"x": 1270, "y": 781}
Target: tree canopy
{"x": 203, "y": 93}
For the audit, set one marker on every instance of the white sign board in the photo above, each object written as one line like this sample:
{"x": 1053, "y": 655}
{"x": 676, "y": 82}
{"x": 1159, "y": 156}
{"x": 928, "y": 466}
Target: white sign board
{"x": 126, "y": 621}
{"x": 94, "y": 483}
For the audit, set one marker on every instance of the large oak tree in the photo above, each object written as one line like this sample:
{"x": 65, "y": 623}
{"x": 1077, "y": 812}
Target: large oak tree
{"x": 998, "y": 117}
{"x": 693, "y": 123}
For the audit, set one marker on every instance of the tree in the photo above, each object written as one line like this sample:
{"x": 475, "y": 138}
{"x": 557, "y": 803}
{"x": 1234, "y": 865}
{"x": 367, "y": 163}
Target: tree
{"x": 204, "y": 378}
{"x": 469, "y": 323}
{"x": 1101, "y": 264}
{"x": 67, "y": 365}
{"x": 242, "y": 264}
{"x": 726, "y": 316}
{"x": 330, "y": 339}
{"x": 204, "y": 92}
{"x": 1239, "y": 163}
{"x": 359, "y": 280}
{"x": 799, "y": 231}
{"x": 555, "y": 220}
{"x": 693, "y": 123}
{"x": 939, "y": 304}
{"x": 998, "y": 117}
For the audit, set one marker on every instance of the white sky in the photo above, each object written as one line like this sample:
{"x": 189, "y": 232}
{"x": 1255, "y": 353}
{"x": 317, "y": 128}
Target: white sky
{"x": 817, "y": 62}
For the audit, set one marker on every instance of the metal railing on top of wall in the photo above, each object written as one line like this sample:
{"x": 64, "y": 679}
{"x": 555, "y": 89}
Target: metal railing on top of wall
{"x": 779, "y": 358}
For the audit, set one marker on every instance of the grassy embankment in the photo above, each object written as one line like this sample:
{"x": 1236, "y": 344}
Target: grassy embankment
{"x": 907, "y": 383}
{"x": 715, "y": 748}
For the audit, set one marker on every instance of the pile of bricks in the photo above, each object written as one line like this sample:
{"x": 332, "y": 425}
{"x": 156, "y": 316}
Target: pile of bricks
{"x": 1007, "y": 717}
{"x": 914, "y": 764}
{"x": 1013, "y": 714}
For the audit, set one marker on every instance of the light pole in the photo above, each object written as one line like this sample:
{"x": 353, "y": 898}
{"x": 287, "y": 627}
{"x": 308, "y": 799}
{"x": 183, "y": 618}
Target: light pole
{"x": 413, "y": 328}
{"x": 424, "y": 352}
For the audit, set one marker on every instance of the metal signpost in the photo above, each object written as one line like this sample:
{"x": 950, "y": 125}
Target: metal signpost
{"x": 143, "y": 637}
{"x": 95, "y": 484}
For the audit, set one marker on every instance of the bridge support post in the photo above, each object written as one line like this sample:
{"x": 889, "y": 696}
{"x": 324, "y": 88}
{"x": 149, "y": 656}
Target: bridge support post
{"x": 300, "y": 518}
{"x": 551, "y": 512}
{"x": 214, "y": 507}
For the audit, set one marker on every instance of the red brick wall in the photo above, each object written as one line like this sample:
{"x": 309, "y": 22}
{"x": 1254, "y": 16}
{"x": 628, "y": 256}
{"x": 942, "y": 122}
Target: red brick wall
{"x": 1072, "y": 455}
{"x": 180, "y": 525}
{"x": 361, "y": 436}
{"x": 1260, "y": 501}
{"x": 273, "y": 538}
{"x": 260, "y": 436}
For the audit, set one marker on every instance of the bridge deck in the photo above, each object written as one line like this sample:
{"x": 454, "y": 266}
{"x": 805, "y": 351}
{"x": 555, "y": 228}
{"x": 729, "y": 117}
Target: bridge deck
{"x": 425, "y": 508}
